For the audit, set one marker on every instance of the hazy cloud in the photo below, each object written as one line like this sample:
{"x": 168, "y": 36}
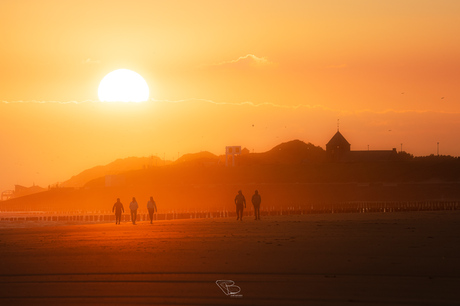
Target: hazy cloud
{"x": 258, "y": 105}
{"x": 309, "y": 106}
{"x": 249, "y": 60}
{"x": 48, "y": 102}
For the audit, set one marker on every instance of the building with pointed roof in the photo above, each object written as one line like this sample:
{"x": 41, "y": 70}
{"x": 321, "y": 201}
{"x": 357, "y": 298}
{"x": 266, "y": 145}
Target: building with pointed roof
{"x": 339, "y": 149}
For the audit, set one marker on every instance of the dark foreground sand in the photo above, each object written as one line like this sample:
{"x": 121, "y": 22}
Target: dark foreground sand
{"x": 331, "y": 259}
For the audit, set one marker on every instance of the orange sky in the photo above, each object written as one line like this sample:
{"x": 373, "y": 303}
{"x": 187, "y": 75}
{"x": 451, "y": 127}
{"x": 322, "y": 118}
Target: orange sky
{"x": 389, "y": 70}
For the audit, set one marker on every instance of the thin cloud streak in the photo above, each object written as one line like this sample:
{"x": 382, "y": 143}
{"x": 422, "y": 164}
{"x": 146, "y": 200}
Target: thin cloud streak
{"x": 48, "y": 102}
{"x": 257, "y": 105}
{"x": 248, "y": 60}
{"x": 307, "y": 106}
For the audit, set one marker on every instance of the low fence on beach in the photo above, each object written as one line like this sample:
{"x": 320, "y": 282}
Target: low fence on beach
{"x": 383, "y": 206}
{"x": 345, "y": 207}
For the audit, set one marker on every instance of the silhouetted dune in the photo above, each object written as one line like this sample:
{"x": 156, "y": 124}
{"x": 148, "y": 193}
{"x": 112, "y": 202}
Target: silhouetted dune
{"x": 113, "y": 168}
{"x": 204, "y": 158}
{"x": 292, "y": 152}
{"x": 291, "y": 174}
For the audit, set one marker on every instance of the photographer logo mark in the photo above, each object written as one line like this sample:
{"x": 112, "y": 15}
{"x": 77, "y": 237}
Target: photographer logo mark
{"x": 229, "y": 288}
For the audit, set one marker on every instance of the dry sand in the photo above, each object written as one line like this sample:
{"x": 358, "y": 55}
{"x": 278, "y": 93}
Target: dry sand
{"x": 325, "y": 259}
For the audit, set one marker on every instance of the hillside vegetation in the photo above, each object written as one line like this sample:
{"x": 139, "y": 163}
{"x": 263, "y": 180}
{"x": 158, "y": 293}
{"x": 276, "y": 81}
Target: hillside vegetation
{"x": 291, "y": 174}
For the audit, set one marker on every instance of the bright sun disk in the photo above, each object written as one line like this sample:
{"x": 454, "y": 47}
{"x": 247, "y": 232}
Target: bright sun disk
{"x": 123, "y": 85}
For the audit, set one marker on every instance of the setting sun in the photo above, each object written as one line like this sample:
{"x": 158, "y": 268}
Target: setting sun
{"x": 123, "y": 85}
{"x": 219, "y": 152}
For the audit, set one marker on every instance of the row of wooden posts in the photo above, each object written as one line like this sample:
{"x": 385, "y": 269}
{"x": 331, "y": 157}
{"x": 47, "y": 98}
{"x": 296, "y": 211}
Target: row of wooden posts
{"x": 347, "y": 207}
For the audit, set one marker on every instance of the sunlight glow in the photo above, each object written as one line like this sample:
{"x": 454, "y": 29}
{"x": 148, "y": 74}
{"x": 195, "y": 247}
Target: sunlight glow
{"x": 123, "y": 85}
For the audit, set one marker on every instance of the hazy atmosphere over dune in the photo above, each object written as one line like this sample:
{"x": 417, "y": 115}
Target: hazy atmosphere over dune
{"x": 62, "y": 139}
{"x": 249, "y": 73}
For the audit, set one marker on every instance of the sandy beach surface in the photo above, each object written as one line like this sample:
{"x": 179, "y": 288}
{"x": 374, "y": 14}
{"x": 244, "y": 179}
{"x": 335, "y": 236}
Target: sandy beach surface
{"x": 320, "y": 259}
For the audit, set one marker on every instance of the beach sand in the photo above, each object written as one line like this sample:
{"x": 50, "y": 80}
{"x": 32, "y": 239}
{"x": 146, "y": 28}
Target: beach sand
{"x": 319, "y": 259}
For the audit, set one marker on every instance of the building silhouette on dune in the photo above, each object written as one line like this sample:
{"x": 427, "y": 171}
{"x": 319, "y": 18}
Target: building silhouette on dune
{"x": 338, "y": 149}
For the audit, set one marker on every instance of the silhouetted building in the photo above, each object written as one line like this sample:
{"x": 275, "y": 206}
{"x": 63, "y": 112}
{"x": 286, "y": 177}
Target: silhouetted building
{"x": 7, "y": 194}
{"x": 20, "y": 191}
{"x": 339, "y": 149}
{"x": 230, "y": 153}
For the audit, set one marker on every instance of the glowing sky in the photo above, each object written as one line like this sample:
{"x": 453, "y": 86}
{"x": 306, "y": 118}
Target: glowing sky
{"x": 389, "y": 70}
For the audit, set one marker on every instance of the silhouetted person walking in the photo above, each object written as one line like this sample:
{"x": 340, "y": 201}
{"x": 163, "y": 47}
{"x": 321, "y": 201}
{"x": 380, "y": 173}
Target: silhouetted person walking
{"x": 118, "y": 208}
{"x": 133, "y": 206}
{"x": 256, "y": 202}
{"x": 240, "y": 203}
{"x": 152, "y": 208}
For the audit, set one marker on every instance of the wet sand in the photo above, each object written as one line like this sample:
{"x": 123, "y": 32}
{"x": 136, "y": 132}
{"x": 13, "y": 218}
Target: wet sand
{"x": 325, "y": 259}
